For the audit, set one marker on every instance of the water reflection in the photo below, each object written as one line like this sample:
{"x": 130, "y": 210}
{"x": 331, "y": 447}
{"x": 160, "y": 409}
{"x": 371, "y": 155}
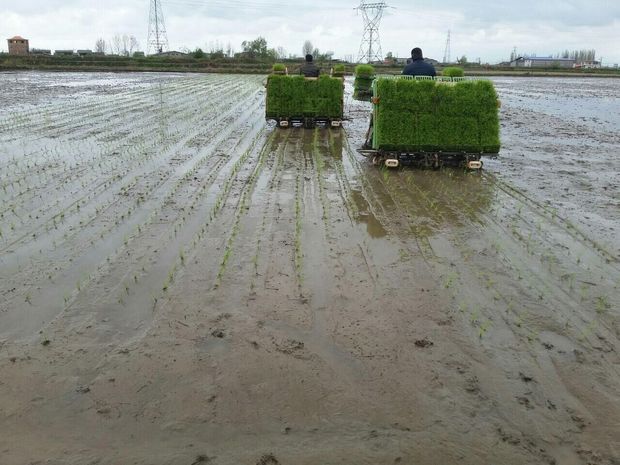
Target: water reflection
{"x": 423, "y": 203}
{"x": 364, "y": 215}
{"x": 407, "y": 202}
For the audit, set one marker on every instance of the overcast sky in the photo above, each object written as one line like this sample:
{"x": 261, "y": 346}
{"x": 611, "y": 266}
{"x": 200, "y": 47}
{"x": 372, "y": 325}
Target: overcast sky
{"x": 482, "y": 29}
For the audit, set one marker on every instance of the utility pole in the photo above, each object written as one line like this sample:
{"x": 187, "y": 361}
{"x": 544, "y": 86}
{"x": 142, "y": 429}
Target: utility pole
{"x": 446, "y": 53}
{"x": 370, "y": 48}
{"x": 157, "y": 39}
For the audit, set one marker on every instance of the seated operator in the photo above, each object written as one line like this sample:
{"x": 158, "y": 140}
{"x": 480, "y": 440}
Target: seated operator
{"x": 418, "y": 67}
{"x": 309, "y": 69}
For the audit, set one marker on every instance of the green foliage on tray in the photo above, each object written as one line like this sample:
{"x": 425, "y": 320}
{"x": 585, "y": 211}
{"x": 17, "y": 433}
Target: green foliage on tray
{"x": 364, "y": 71}
{"x": 364, "y": 75}
{"x": 296, "y": 96}
{"x": 339, "y": 70}
{"x": 427, "y": 115}
{"x": 453, "y": 71}
{"x": 279, "y": 67}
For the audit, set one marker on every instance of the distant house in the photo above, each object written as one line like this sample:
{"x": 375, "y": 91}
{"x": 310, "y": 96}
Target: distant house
{"x": 542, "y": 62}
{"x": 18, "y": 46}
{"x": 84, "y": 53}
{"x": 589, "y": 65}
{"x": 172, "y": 53}
{"x": 406, "y": 61}
{"x": 40, "y": 52}
{"x": 63, "y": 53}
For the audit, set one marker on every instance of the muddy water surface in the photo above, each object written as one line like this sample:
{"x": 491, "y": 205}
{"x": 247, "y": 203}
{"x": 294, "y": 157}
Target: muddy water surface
{"x": 182, "y": 283}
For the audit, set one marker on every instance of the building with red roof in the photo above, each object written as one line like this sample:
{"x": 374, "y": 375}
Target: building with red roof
{"x": 18, "y": 46}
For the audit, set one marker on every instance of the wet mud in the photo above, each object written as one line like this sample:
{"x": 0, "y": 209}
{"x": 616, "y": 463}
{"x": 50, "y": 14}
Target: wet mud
{"x": 182, "y": 283}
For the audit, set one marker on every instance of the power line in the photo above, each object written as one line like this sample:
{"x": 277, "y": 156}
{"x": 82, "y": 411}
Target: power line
{"x": 157, "y": 41}
{"x": 246, "y": 5}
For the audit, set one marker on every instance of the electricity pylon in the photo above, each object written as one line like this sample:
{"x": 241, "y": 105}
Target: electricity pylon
{"x": 370, "y": 48}
{"x": 157, "y": 39}
{"x": 446, "y": 53}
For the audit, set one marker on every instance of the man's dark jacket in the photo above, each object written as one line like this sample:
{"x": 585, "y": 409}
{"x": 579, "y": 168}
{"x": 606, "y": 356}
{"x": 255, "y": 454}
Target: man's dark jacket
{"x": 309, "y": 69}
{"x": 419, "y": 67}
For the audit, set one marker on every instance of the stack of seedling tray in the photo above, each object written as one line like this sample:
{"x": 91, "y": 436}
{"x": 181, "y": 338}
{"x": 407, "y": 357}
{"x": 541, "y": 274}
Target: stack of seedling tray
{"x": 300, "y": 97}
{"x": 435, "y": 115}
{"x": 362, "y": 86}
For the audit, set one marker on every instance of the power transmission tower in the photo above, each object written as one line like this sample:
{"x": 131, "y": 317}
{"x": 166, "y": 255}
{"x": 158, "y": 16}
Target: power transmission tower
{"x": 158, "y": 39}
{"x": 446, "y": 53}
{"x": 370, "y": 48}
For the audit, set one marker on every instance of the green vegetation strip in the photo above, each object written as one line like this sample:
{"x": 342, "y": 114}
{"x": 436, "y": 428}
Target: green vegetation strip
{"x": 434, "y": 116}
{"x": 296, "y": 96}
{"x": 453, "y": 71}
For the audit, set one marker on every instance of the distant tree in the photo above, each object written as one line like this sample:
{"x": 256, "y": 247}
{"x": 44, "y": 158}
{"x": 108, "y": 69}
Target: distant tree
{"x": 100, "y": 46}
{"x": 308, "y": 48}
{"x": 462, "y": 60}
{"x": 134, "y": 45}
{"x": 256, "y": 48}
{"x": 126, "y": 44}
{"x": 198, "y": 53}
{"x": 280, "y": 52}
{"x": 117, "y": 45}
{"x": 216, "y": 47}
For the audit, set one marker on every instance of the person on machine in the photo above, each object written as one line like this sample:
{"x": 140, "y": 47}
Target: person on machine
{"x": 309, "y": 69}
{"x": 418, "y": 67}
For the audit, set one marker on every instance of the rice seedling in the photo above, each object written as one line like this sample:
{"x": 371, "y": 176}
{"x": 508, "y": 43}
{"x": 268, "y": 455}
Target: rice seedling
{"x": 364, "y": 76}
{"x": 602, "y": 304}
{"x": 453, "y": 71}
{"x": 296, "y": 96}
{"x": 424, "y": 115}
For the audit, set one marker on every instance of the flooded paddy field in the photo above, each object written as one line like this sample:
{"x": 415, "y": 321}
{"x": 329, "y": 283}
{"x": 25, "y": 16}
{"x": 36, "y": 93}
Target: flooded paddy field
{"x": 182, "y": 283}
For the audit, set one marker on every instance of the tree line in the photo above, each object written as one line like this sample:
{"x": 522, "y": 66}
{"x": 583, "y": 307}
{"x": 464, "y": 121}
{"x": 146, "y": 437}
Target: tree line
{"x": 123, "y": 45}
{"x": 578, "y": 55}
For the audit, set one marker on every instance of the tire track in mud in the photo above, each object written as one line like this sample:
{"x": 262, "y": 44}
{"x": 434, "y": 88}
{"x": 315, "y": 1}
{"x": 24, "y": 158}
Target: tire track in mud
{"x": 483, "y": 231}
{"x": 283, "y": 247}
{"x": 456, "y": 206}
{"x": 469, "y": 280}
{"x": 387, "y": 208}
{"x": 89, "y": 262}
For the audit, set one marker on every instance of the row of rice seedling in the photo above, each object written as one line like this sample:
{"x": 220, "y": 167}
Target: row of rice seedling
{"x": 426, "y": 115}
{"x": 124, "y": 171}
{"x": 296, "y": 96}
{"x": 204, "y": 200}
{"x": 84, "y": 178}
